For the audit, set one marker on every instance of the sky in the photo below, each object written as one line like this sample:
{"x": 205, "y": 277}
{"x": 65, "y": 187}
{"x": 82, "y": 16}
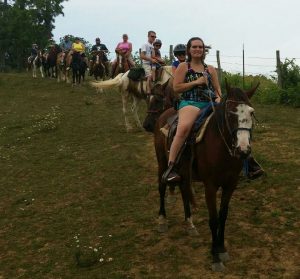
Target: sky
{"x": 262, "y": 26}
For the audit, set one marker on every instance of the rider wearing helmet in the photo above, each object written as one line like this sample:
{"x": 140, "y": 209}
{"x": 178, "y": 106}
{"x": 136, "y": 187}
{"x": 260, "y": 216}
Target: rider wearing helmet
{"x": 180, "y": 53}
{"x": 157, "y": 60}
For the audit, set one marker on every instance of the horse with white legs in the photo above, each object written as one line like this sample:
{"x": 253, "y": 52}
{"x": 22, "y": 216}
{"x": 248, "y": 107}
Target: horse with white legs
{"x": 38, "y": 63}
{"x": 130, "y": 89}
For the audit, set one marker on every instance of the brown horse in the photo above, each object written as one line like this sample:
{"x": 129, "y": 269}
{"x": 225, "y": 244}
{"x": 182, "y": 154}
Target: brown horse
{"x": 216, "y": 160}
{"x": 98, "y": 68}
{"x": 122, "y": 64}
{"x": 62, "y": 64}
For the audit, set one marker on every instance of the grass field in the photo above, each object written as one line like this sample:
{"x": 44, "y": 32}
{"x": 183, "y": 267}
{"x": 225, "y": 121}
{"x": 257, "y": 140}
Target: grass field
{"x": 79, "y": 195}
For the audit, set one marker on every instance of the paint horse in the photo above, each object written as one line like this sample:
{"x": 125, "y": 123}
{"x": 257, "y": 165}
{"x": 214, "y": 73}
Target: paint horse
{"x": 38, "y": 63}
{"x": 130, "y": 89}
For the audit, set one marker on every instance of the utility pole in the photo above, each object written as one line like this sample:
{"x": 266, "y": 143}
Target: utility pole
{"x": 243, "y": 67}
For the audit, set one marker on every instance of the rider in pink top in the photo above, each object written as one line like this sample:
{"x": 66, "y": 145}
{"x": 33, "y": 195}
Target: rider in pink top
{"x": 124, "y": 48}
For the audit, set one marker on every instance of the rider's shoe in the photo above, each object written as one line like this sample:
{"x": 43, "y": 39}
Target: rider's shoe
{"x": 68, "y": 68}
{"x": 255, "y": 169}
{"x": 170, "y": 175}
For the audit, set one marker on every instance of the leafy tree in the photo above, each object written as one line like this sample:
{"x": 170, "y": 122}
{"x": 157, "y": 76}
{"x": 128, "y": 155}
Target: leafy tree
{"x": 24, "y": 22}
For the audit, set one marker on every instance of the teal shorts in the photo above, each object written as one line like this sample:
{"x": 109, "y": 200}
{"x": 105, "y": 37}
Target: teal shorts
{"x": 199, "y": 105}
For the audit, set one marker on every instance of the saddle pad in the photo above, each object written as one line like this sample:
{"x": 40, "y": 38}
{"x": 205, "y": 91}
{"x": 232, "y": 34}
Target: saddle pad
{"x": 200, "y": 133}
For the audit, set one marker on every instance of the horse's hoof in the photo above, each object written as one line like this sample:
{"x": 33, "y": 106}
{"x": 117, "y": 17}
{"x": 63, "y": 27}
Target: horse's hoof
{"x": 218, "y": 267}
{"x": 224, "y": 257}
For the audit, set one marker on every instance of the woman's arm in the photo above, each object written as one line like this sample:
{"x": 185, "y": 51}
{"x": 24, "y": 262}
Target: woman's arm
{"x": 215, "y": 82}
{"x": 179, "y": 85}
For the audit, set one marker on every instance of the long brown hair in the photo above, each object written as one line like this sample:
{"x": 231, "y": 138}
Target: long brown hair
{"x": 188, "y": 46}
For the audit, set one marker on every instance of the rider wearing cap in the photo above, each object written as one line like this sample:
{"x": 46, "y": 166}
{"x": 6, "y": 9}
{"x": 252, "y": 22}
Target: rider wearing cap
{"x": 97, "y": 47}
{"x": 66, "y": 46}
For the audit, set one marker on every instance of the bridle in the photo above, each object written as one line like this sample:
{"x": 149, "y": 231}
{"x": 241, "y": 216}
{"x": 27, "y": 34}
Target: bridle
{"x": 164, "y": 105}
{"x": 232, "y": 131}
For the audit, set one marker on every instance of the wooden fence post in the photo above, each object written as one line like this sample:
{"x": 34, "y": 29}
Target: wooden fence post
{"x": 171, "y": 56}
{"x": 278, "y": 69}
{"x": 141, "y": 61}
{"x": 219, "y": 67}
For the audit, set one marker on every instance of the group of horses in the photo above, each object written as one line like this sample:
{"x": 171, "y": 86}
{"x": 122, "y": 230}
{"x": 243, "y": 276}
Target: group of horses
{"x": 216, "y": 160}
{"x": 57, "y": 64}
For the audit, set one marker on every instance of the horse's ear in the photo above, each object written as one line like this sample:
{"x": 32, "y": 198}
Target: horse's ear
{"x": 227, "y": 86}
{"x": 251, "y": 92}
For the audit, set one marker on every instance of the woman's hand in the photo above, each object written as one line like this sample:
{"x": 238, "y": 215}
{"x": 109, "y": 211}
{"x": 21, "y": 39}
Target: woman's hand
{"x": 201, "y": 80}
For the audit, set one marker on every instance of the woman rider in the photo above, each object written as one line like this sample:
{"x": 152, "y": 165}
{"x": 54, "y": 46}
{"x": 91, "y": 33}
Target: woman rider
{"x": 191, "y": 79}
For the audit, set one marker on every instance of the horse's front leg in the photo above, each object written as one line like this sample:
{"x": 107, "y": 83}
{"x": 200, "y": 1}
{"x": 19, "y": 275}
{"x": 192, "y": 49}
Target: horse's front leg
{"x": 42, "y": 72}
{"x": 125, "y": 102}
{"x": 135, "y": 105}
{"x": 210, "y": 196}
{"x": 223, "y": 212}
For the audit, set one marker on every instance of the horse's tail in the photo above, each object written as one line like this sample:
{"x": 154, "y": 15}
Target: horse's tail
{"x": 106, "y": 84}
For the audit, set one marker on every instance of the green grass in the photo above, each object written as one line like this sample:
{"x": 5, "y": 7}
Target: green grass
{"x": 76, "y": 188}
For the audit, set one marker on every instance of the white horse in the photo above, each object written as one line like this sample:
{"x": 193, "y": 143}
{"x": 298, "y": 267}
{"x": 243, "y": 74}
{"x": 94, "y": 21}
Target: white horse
{"x": 132, "y": 89}
{"x": 38, "y": 63}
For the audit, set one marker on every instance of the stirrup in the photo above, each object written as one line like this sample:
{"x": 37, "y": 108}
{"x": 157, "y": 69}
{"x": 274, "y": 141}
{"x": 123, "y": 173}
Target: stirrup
{"x": 170, "y": 175}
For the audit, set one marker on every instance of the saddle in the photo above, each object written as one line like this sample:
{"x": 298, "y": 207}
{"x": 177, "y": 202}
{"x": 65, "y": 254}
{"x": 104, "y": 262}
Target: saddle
{"x": 136, "y": 74}
{"x": 197, "y": 132}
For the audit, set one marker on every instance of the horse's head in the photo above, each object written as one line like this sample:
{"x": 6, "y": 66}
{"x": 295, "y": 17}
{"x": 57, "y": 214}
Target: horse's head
{"x": 238, "y": 118}
{"x": 159, "y": 101}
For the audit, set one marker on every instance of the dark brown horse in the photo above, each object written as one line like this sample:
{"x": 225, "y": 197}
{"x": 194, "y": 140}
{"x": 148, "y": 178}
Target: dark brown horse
{"x": 51, "y": 58}
{"x": 216, "y": 160}
{"x": 122, "y": 64}
{"x": 98, "y": 68}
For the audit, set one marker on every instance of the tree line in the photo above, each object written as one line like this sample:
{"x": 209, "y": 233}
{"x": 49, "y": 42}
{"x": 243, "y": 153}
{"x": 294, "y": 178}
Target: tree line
{"x": 23, "y": 22}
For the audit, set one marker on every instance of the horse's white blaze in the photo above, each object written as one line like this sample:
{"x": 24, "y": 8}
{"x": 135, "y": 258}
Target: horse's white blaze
{"x": 97, "y": 59}
{"x": 244, "y": 114}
